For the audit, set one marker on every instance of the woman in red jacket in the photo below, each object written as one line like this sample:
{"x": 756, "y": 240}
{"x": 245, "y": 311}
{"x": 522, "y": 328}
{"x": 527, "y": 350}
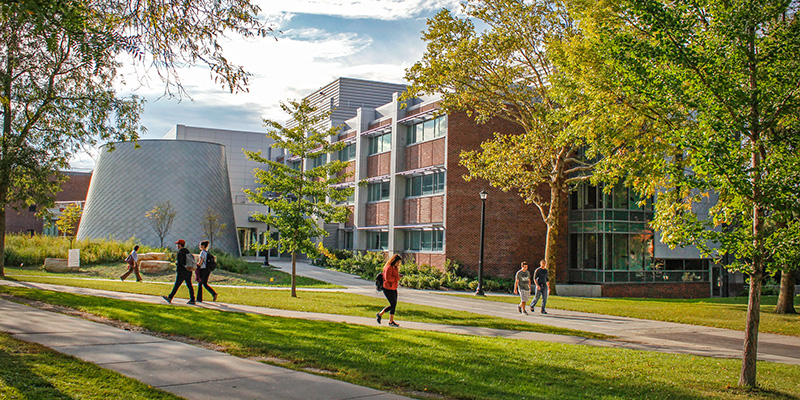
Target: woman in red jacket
{"x": 391, "y": 279}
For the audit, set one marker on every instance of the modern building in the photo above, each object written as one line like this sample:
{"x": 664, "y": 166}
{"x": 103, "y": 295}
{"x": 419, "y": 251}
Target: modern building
{"x": 133, "y": 178}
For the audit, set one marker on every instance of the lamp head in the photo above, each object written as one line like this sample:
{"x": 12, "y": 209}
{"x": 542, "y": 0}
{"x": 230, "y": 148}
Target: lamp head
{"x": 484, "y": 195}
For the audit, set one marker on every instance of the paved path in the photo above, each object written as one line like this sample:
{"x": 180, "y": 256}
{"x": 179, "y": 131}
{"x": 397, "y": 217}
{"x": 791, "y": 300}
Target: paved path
{"x": 179, "y": 368}
{"x": 645, "y": 334}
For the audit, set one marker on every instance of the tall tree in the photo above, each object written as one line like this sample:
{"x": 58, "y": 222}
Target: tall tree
{"x": 161, "y": 218}
{"x": 505, "y": 70}
{"x": 729, "y": 74}
{"x": 58, "y": 69}
{"x": 300, "y": 195}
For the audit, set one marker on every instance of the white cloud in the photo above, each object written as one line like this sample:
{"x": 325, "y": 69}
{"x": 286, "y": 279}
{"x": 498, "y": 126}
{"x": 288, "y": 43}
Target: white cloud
{"x": 373, "y": 9}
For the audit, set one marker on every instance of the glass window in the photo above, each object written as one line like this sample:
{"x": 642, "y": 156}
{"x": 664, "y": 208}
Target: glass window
{"x": 424, "y": 240}
{"x": 425, "y": 185}
{"x": 378, "y": 191}
{"x": 378, "y": 240}
{"x": 380, "y": 144}
{"x": 348, "y": 153}
{"x": 317, "y": 161}
{"x": 427, "y": 130}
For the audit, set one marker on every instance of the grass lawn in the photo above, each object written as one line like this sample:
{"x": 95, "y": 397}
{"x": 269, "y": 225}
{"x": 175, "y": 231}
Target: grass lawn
{"x": 254, "y": 276}
{"x": 716, "y": 312}
{"x": 444, "y": 365}
{"x": 326, "y": 302}
{"x": 30, "y": 371}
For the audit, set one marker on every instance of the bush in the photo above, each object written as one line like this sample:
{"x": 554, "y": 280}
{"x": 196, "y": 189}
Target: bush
{"x": 32, "y": 250}
{"x": 324, "y": 260}
{"x": 365, "y": 265}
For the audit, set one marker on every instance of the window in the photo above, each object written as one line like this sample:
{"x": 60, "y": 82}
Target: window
{"x": 295, "y": 165}
{"x": 425, "y": 185}
{"x": 348, "y": 153}
{"x": 348, "y": 240}
{"x": 378, "y": 240}
{"x": 425, "y": 240}
{"x": 380, "y": 144}
{"x": 349, "y": 200}
{"x": 317, "y": 161}
{"x": 378, "y": 191}
{"x": 427, "y": 130}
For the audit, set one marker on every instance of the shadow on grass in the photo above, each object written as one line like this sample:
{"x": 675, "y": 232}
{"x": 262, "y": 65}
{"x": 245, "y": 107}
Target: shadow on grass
{"x": 15, "y": 372}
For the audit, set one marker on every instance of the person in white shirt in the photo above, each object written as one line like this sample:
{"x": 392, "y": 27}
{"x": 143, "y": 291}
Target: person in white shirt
{"x": 133, "y": 265}
{"x": 203, "y": 273}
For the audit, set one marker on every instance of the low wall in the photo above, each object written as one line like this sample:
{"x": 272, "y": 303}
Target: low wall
{"x": 580, "y": 290}
{"x": 682, "y": 290}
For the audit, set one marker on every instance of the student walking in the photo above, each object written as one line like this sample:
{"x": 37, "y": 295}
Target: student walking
{"x": 133, "y": 265}
{"x": 542, "y": 285}
{"x": 522, "y": 286}
{"x": 203, "y": 272}
{"x": 183, "y": 274}
{"x": 391, "y": 280}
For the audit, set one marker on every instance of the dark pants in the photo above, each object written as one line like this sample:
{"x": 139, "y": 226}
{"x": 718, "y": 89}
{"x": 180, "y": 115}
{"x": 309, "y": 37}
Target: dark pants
{"x": 391, "y": 295}
{"x": 181, "y": 277}
{"x": 135, "y": 269}
{"x": 543, "y": 294}
{"x": 202, "y": 282}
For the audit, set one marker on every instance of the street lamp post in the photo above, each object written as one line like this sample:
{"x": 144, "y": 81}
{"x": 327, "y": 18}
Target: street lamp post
{"x": 484, "y": 195}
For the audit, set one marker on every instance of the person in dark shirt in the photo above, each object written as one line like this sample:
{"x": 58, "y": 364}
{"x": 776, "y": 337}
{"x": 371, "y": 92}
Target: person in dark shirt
{"x": 542, "y": 286}
{"x": 183, "y": 259}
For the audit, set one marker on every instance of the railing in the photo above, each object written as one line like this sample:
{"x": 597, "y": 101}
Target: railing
{"x": 653, "y": 276}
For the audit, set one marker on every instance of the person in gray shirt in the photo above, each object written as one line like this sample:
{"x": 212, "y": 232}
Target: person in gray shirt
{"x": 522, "y": 286}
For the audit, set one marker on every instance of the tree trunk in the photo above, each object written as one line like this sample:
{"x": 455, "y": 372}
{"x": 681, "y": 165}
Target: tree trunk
{"x": 554, "y": 234}
{"x": 786, "y": 296}
{"x": 294, "y": 273}
{"x": 750, "y": 354}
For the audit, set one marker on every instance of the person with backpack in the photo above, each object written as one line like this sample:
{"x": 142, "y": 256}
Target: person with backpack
{"x": 184, "y": 265}
{"x": 207, "y": 264}
{"x": 391, "y": 280}
{"x": 133, "y": 265}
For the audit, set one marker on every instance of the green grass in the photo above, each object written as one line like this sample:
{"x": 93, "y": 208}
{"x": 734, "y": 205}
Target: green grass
{"x": 327, "y": 302}
{"x": 726, "y": 313}
{"x": 254, "y": 275}
{"x": 447, "y": 365}
{"x": 31, "y": 371}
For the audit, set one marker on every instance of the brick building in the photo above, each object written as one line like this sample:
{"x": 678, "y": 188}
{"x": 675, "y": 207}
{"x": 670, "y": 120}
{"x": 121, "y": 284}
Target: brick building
{"x": 25, "y": 220}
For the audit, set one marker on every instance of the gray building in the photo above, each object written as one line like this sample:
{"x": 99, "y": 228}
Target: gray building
{"x": 130, "y": 180}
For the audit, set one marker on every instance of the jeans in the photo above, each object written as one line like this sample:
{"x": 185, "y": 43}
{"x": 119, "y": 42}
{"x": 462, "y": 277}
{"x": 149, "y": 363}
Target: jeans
{"x": 203, "y": 274}
{"x": 182, "y": 277}
{"x": 543, "y": 294}
{"x": 391, "y": 295}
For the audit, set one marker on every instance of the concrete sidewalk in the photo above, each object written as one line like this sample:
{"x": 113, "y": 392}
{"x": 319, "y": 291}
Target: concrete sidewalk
{"x": 182, "y": 369}
{"x": 646, "y": 334}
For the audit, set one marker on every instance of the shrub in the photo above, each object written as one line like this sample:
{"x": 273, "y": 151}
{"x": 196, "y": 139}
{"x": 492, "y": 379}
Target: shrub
{"x": 365, "y": 265}
{"x": 32, "y": 250}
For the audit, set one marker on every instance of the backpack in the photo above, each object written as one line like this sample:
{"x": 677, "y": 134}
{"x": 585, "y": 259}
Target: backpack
{"x": 129, "y": 260}
{"x": 379, "y": 282}
{"x": 211, "y": 262}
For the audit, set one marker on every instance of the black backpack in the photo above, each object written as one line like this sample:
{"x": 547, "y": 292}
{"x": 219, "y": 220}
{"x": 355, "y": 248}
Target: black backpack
{"x": 379, "y": 282}
{"x": 211, "y": 262}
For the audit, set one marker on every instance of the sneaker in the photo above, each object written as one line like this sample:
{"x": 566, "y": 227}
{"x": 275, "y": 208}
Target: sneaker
{"x": 544, "y": 312}
{"x": 524, "y": 312}
{"x": 191, "y": 302}
{"x": 378, "y": 315}
{"x": 214, "y": 298}
{"x": 167, "y": 299}
{"x": 394, "y": 324}
{"x": 532, "y": 309}
{"x": 519, "y": 309}
{"x": 122, "y": 279}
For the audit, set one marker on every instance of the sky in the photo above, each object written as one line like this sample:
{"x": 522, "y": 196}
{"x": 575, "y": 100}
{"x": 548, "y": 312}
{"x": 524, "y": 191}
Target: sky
{"x": 321, "y": 40}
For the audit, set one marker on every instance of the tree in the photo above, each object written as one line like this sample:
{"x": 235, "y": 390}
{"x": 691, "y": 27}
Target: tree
{"x": 161, "y": 218}
{"x": 506, "y": 71}
{"x": 68, "y": 222}
{"x": 729, "y": 74}
{"x": 212, "y": 226}
{"x": 298, "y": 196}
{"x": 58, "y": 70}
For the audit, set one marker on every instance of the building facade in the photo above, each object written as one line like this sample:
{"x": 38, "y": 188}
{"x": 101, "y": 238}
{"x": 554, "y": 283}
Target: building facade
{"x": 25, "y": 219}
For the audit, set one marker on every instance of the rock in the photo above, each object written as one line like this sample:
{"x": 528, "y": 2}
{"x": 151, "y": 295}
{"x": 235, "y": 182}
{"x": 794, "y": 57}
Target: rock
{"x": 152, "y": 257}
{"x": 155, "y": 266}
{"x": 58, "y": 265}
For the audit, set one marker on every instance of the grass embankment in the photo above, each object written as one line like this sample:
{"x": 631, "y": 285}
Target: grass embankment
{"x": 252, "y": 275}
{"x": 326, "y": 302}
{"x": 445, "y": 365}
{"x": 30, "y": 371}
{"x": 726, "y": 313}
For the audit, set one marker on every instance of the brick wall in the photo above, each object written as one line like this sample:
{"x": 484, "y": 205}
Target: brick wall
{"x": 425, "y": 258}
{"x": 350, "y": 218}
{"x": 514, "y": 231}
{"x": 425, "y": 154}
{"x": 377, "y": 214}
{"x": 350, "y": 169}
{"x": 73, "y": 189}
{"x": 378, "y": 164}
{"x": 683, "y": 290}
{"x": 423, "y": 210}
